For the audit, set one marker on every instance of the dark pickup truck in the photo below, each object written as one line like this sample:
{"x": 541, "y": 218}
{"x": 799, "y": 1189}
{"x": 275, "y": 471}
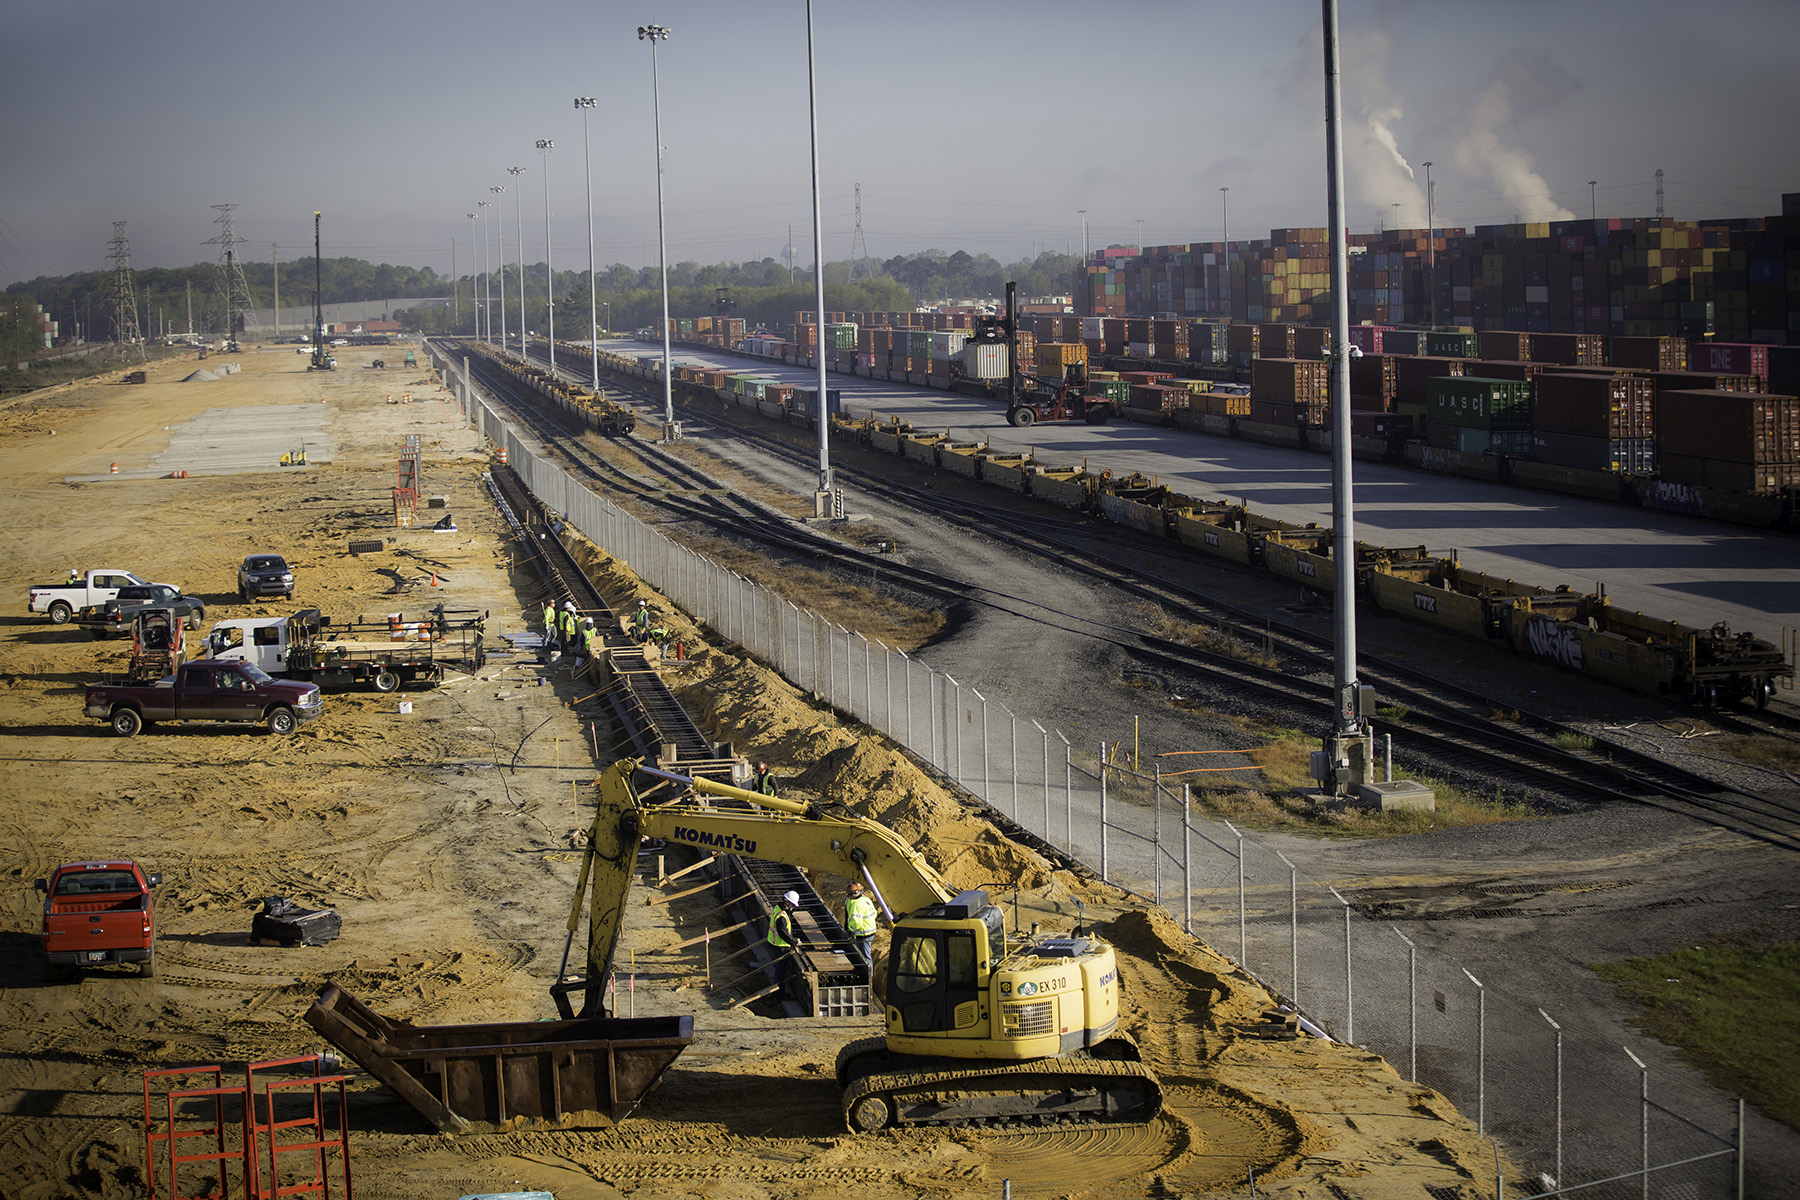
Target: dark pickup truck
{"x": 207, "y": 691}
{"x": 97, "y": 913}
{"x": 116, "y": 615}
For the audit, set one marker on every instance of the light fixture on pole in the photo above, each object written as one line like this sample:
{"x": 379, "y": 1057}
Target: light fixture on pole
{"x": 1593, "y": 204}
{"x": 474, "y": 303}
{"x": 500, "y": 248}
{"x": 519, "y": 228}
{"x": 544, "y": 147}
{"x": 1430, "y": 250}
{"x": 654, "y": 34}
{"x": 584, "y": 103}
{"x": 822, "y": 499}
{"x": 487, "y": 277}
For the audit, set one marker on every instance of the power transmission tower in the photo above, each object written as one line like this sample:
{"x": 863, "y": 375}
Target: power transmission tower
{"x": 1659, "y": 193}
{"x": 238, "y": 308}
{"x": 860, "y": 267}
{"x": 124, "y": 295}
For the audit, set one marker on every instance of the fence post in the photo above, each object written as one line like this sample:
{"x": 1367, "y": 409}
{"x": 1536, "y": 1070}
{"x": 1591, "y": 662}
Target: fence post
{"x": 1481, "y": 1054}
{"x": 868, "y": 684}
{"x": 987, "y": 787}
{"x": 1044, "y": 734}
{"x": 1012, "y": 740}
{"x": 1103, "y": 843}
{"x": 1644, "y": 1111}
{"x": 1559, "y": 1092}
{"x": 1156, "y": 835}
{"x": 1293, "y": 927}
{"x": 1068, "y": 795}
{"x": 799, "y": 675}
{"x": 1187, "y": 863}
{"x": 1740, "y": 1148}
{"x": 955, "y": 724}
{"x": 931, "y": 700}
{"x": 907, "y": 671}
{"x": 1349, "y": 989}
{"x": 1412, "y": 1008}
{"x": 1243, "y": 945}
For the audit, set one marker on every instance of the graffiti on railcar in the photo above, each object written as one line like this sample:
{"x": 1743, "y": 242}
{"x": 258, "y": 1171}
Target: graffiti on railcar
{"x": 1558, "y": 643}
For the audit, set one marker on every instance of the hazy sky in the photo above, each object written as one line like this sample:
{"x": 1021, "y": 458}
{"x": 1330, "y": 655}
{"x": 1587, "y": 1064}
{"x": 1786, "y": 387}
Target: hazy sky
{"x": 981, "y": 125}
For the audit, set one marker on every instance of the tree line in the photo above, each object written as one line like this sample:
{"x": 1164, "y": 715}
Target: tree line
{"x": 763, "y": 293}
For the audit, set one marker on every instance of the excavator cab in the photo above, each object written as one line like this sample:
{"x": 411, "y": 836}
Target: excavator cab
{"x": 939, "y": 964}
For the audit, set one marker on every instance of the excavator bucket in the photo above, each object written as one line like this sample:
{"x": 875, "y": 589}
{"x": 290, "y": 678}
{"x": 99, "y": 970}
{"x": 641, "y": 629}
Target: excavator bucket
{"x": 581, "y": 1074}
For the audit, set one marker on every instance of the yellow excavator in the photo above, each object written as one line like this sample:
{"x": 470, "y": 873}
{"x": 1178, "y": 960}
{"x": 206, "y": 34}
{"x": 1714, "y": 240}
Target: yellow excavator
{"x": 983, "y": 1026}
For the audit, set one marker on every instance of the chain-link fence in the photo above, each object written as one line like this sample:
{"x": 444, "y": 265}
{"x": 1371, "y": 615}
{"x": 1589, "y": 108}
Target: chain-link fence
{"x": 1566, "y": 1106}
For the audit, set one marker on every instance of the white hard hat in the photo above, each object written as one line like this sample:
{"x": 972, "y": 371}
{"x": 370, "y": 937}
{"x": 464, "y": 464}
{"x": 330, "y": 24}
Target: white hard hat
{"x": 587, "y": 620}
{"x": 792, "y": 898}
{"x": 569, "y": 604}
{"x": 643, "y": 603}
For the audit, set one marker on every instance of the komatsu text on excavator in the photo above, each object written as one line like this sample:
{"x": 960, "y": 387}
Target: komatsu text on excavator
{"x": 983, "y": 1026}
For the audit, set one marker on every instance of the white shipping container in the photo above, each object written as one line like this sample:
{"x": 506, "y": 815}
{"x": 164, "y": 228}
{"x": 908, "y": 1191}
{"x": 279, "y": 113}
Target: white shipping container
{"x": 947, "y": 345}
{"x": 1090, "y": 327}
{"x": 1537, "y": 295}
{"x": 984, "y": 360}
{"x": 1140, "y": 349}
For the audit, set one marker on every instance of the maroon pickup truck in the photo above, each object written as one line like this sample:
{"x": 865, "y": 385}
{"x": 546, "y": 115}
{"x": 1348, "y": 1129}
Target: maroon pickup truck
{"x": 97, "y": 913}
{"x": 206, "y": 690}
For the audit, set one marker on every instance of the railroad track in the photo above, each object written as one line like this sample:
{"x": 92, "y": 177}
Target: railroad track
{"x": 653, "y": 718}
{"x": 1450, "y": 725}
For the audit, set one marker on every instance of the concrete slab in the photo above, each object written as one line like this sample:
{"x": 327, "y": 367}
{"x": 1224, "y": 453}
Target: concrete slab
{"x": 236, "y": 441}
{"x": 1401, "y": 793}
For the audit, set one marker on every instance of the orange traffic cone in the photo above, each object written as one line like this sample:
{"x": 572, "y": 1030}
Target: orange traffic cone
{"x": 434, "y": 581}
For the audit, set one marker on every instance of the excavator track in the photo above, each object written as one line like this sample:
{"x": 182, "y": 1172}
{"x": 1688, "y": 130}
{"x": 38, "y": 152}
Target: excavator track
{"x": 1045, "y": 1091}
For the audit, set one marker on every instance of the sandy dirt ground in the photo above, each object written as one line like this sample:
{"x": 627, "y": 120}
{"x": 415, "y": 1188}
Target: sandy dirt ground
{"x": 442, "y": 837}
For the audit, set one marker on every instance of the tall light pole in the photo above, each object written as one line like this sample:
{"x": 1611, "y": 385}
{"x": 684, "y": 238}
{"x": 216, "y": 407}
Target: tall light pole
{"x": 654, "y": 34}
{"x": 1593, "y": 204}
{"x": 584, "y": 103}
{"x": 1084, "y": 240}
{"x": 500, "y": 247}
{"x": 1430, "y": 249}
{"x": 1139, "y": 222}
{"x": 1348, "y": 730}
{"x": 519, "y": 218}
{"x": 544, "y": 147}
{"x": 822, "y": 499}
{"x": 474, "y": 304}
{"x": 487, "y": 276}
{"x": 1225, "y": 240}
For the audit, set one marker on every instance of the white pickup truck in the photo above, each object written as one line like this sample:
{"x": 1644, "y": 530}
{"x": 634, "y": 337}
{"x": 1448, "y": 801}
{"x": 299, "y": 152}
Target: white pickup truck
{"x": 60, "y": 602}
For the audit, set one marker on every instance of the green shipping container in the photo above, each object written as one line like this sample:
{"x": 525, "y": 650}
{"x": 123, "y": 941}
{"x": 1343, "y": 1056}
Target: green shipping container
{"x": 1476, "y": 403}
{"x": 1449, "y": 343}
{"x": 1115, "y": 390}
{"x": 840, "y": 337}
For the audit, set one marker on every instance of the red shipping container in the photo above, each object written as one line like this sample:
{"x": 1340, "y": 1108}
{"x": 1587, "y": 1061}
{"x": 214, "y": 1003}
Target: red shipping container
{"x": 1731, "y": 358}
{"x": 1744, "y": 427}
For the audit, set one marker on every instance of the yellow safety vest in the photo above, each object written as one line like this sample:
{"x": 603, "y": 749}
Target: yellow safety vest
{"x": 781, "y": 929}
{"x": 859, "y": 916}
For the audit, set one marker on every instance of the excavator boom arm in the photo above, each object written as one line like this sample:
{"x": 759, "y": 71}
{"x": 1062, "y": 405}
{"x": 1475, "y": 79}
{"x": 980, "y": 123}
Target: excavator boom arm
{"x": 783, "y": 831}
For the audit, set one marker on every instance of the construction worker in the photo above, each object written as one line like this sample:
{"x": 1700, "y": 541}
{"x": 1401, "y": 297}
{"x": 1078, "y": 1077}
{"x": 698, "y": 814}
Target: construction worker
{"x": 642, "y": 620}
{"x": 550, "y": 623}
{"x": 781, "y": 935}
{"x": 567, "y": 625}
{"x": 659, "y": 633}
{"x": 859, "y": 919}
{"x": 764, "y": 780}
{"x": 74, "y": 577}
{"x": 590, "y": 637}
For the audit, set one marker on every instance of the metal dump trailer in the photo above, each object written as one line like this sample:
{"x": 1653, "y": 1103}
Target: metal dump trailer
{"x": 588, "y": 1073}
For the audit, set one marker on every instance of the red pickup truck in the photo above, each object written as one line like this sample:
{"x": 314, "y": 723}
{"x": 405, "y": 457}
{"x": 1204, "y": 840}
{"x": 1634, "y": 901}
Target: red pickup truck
{"x": 97, "y": 913}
